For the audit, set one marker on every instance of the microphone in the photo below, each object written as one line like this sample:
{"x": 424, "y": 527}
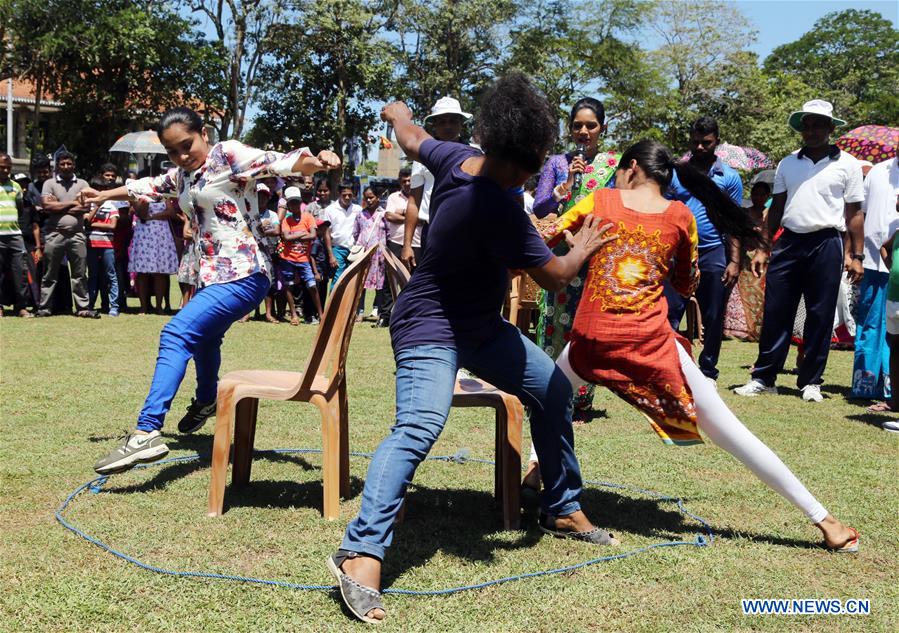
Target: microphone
{"x": 579, "y": 176}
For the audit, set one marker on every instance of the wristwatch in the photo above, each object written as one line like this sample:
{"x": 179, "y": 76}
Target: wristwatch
{"x": 859, "y": 256}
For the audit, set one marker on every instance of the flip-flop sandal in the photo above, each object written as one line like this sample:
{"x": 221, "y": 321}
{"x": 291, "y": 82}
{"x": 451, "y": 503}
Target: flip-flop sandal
{"x": 597, "y": 536}
{"x": 294, "y": 321}
{"x": 850, "y": 547}
{"x": 359, "y": 599}
{"x": 880, "y": 407}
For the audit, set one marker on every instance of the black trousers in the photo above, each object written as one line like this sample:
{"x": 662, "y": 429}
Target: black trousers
{"x": 808, "y": 265}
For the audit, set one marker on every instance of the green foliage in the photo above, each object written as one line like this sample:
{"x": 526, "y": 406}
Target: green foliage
{"x": 850, "y": 58}
{"x": 326, "y": 69}
{"x": 126, "y": 63}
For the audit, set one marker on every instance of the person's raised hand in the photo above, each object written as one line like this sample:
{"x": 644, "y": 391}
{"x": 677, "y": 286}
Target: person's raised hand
{"x": 90, "y": 196}
{"x": 396, "y": 111}
{"x": 592, "y": 235}
{"x": 328, "y": 159}
{"x": 578, "y": 166}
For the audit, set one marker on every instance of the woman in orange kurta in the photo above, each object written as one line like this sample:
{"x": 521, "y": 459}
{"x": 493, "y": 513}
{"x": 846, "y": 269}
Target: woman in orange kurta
{"x": 621, "y": 338}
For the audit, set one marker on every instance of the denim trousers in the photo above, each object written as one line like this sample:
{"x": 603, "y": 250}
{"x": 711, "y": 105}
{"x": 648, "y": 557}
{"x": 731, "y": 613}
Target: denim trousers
{"x": 197, "y": 332}
{"x": 425, "y": 376}
{"x": 102, "y": 259}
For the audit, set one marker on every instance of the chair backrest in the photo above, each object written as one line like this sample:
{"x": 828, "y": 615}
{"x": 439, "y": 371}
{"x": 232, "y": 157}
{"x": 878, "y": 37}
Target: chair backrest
{"x": 332, "y": 340}
{"x": 397, "y": 273}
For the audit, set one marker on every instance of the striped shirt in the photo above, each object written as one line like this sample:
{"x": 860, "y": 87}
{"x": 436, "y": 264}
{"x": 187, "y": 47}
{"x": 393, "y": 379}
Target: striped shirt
{"x": 100, "y": 236}
{"x": 10, "y": 201}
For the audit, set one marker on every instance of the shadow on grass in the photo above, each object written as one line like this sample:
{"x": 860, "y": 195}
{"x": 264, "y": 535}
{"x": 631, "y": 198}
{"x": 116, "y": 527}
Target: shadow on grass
{"x": 874, "y": 419}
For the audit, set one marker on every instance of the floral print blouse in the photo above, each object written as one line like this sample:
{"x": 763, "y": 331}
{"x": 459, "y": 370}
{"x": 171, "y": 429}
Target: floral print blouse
{"x": 220, "y": 200}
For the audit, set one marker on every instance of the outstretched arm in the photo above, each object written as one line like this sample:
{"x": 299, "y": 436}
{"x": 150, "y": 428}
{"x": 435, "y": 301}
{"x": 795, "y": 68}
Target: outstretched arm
{"x": 559, "y": 271}
{"x": 408, "y": 135}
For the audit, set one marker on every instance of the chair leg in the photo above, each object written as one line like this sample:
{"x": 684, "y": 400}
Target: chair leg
{"x": 221, "y": 447}
{"x": 344, "y": 416}
{"x": 508, "y": 428}
{"x": 330, "y": 456}
{"x": 244, "y": 436}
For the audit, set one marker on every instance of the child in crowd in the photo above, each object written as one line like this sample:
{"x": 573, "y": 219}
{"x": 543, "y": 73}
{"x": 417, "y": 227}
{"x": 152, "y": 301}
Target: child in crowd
{"x": 370, "y": 229}
{"x": 295, "y": 266}
{"x": 320, "y": 259}
{"x": 100, "y": 223}
{"x": 271, "y": 228}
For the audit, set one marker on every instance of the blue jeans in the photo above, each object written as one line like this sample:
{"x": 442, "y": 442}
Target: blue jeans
{"x": 712, "y": 296}
{"x": 104, "y": 258}
{"x": 340, "y": 253}
{"x": 871, "y": 366}
{"x": 196, "y": 332}
{"x": 425, "y": 376}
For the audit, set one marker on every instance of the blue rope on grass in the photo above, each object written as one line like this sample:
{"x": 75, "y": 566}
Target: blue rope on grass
{"x": 461, "y": 457}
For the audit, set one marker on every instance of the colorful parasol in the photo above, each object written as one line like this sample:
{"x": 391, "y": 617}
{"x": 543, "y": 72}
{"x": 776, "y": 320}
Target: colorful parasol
{"x": 875, "y": 143}
{"x": 742, "y": 158}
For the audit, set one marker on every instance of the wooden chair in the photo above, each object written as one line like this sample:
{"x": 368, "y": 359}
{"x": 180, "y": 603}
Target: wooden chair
{"x": 694, "y": 322}
{"x": 322, "y": 383}
{"x": 523, "y": 302}
{"x": 509, "y": 415}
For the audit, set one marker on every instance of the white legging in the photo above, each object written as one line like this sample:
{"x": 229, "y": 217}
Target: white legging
{"x": 724, "y": 429}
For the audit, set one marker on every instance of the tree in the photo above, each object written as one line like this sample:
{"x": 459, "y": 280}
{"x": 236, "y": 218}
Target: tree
{"x": 851, "y": 58}
{"x": 569, "y": 58}
{"x": 325, "y": 72}
{"x": 242, "y": 29}
{"x": 448, "y": 48}
{"x": 127, "y": 64}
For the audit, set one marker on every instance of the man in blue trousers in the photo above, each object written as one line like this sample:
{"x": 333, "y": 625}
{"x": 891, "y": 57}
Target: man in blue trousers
{"x": 719, "y": 256}
{"x": 817, "y": 198}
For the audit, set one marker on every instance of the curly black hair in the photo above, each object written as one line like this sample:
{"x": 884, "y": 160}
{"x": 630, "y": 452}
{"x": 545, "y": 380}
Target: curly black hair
{"x": 516, "y": 123}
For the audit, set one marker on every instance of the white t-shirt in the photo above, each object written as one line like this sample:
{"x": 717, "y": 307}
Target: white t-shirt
{"x": 881, "y": 188}
{"x": 272, "y": 217}
{"x": 396, "y": 203}
{"x": 342, "y": 223}
{"x": 421, "y": 177}
{"x": 816, "y": 192}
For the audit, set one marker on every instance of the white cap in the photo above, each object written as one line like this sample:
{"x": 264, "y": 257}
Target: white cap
{"x": 447, "y": 105}
{"x": 261, "y": 186}
{"x": 815, "y": 106}
{"x": 293, "y": 193}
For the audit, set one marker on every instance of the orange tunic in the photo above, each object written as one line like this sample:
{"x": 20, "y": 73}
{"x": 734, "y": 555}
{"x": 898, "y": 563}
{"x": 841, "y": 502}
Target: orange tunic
{"x": 621, "y": 337}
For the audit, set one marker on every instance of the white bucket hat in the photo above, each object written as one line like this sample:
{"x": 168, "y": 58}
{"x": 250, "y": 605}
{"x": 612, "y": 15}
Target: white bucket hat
{"x": 815, "y": 106}
{"x": 293, "y": 193}
{"x": 447, "y": 105}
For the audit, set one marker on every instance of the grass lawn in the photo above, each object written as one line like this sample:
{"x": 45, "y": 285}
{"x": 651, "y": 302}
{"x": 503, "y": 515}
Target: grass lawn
{"x": 70, "y": 386}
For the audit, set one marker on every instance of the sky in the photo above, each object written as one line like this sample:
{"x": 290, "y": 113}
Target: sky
{"x": 782, "y": 21}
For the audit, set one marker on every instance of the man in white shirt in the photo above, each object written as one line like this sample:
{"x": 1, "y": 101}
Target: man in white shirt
{"x": 342, "y": 215}
{"x": 871, "y": 368}
{"x": 445, "y": 124}
{"x": 817, "y": 196}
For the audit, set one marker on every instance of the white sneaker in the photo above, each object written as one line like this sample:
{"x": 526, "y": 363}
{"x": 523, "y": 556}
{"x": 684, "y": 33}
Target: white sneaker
{"x": 892, "y": 426}
{"x": 374, "y": 314}
{"x": 812, "y": 393}
{"x": 754, "y": 388}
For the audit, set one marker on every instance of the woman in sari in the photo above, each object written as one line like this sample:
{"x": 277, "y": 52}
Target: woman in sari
{"x": 554, "y": 196}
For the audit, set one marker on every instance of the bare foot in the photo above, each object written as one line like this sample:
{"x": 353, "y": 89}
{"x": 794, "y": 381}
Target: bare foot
{"x": 367, "y": 572}
{"x": 837, "y": 535}
{"x": 532, "y": 476}
{"x": 578, "y": 522}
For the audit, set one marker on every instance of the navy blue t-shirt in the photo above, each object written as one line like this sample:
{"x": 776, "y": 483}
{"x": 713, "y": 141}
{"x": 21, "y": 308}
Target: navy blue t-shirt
{"x": 476, "y": 234}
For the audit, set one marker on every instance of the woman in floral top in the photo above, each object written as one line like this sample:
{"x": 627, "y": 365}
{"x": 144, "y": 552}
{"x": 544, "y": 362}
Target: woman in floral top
{"x": 215, "y": 186}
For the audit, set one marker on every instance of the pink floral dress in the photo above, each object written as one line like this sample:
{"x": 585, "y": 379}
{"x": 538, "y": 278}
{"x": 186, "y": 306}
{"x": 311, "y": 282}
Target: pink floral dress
{"x": 370, "y": 229}
{"x": 220, "y": 200}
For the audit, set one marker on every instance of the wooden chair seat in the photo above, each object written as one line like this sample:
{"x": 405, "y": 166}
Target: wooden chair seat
{"x": 509, "y": 415}
{"x": 322, "y": 383}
